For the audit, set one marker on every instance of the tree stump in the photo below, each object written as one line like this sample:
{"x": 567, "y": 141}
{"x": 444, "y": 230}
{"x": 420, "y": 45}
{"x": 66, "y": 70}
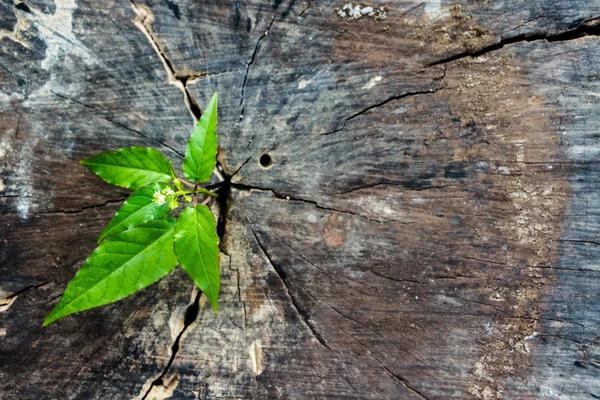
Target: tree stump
{"x": 412, "y": 207}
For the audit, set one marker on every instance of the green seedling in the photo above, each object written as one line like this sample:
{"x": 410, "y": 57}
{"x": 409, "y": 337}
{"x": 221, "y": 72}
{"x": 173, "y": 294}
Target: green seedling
{"x": 142, "y": 243}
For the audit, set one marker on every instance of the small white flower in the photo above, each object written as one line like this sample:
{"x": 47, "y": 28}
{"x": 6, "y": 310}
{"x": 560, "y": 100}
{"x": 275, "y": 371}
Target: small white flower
{"x": 168, "y": 191}
{"x": 159, "y": 198}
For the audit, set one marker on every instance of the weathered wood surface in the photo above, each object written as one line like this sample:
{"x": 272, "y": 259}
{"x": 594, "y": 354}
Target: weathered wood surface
{"x": 428, "y": 228}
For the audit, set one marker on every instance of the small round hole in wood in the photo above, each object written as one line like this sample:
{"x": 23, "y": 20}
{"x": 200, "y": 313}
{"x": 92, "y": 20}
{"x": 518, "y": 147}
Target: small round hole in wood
{"x": 265, "y": 161}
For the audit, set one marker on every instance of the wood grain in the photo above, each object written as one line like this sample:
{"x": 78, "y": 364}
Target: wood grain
{"x": 428, "y": 227}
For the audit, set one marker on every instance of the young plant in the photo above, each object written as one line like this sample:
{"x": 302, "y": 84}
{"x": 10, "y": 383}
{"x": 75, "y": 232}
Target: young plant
{"x": 142, "y": 243}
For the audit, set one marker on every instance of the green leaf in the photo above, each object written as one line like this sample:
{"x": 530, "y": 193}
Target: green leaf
{"x": 139, "y": 208}
{"x": 201, "y": 150}
{"x": 197, "y": 249}
{"x": 131, "y": 167}
{"x": 119, "y": 267}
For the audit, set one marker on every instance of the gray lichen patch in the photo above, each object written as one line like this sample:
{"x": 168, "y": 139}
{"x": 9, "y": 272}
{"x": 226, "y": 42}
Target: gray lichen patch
{"x": 352, "y": 11}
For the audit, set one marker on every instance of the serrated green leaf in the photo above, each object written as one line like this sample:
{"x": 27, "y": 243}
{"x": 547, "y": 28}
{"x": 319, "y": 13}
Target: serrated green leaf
{"x": 119, "y": 267}
{"x": 131, "y": 167}
{"x": 197, "y": 249}
{"x": 139, "y": 208}
{"x": 201, "y": 150}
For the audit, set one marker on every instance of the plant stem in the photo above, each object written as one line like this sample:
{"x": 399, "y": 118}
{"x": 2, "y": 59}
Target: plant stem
{"x": 198, "y": 190}
{"x": 206, "y": 192}
{"x": 206, "y": 201}
{"x": 196, "y": 194}
{"x": 187, "y": 183}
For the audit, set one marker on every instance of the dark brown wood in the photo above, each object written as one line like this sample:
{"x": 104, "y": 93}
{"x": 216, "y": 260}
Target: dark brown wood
{"x": 413, "y": 202}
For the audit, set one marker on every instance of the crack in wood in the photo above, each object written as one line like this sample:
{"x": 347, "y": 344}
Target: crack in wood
{"x": 8, "y": 300}
{"x": 405, "y": 185}
{"x": 119, "y": 124}
{"x": 525, "y": 23}
{"x": 564, "y": 269}
{"x": 388, "y": 100}
{"x": 304, "y": 317}
{"x": 353, "y": 116}
{"x": 397, "y": 279}
{"x": 82, "y": 366}
{"x": 190, "y": 316}
{"x": 252, "y": 62}
{"x": 241, "y": 186}
{"x": 143, "y": 21}
{"x": 241, "y": 166}
{"x": 84, "y": 208}
{"x": 294, "y": 251}
{"x": 377, "y": 334}
{"x": 590, "y": 27}
{"x": 580, "y": 241}
{"x": 400, "y": 380}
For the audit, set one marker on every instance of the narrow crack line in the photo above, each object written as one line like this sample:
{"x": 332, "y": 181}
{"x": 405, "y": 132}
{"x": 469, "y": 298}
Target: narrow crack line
{"x": 590, "y": 27}
{"x": 98, "y": 113}
{"x": 319, "y": 375}
{"x": 51, "y": 300}
{"x": 323, "y": 271}
{"x": 403, "y": 380}
{"x": 563, "y": 338}
{"x": 525, "y": 23}
{"x": 345, "y": 122}
{"x": 82, "y": 366}
{"x": 394, "y": 98}
{"x": 412, "y": 9}
{"x": 561, "y": 118}
{"x": 224, "y": 200}
{"x": 399, "y": 379}
{"x": 397, "y": 279}
{"x": 564, "y": 269}
{"x": 191, "y": 315}
{"x": 240, "y": 186}
{"x": 308, "y": 7}
{"x": 241, "y": 166}
{"x": 18, "y": 126}
{"x": 346, "y": 380}
{"x": 76, "y": 211}
{"x": 294, "y": 251}
{"x": 388, "y": 100}
{"x": 143, "y": 22}
{"x": 198, "y": 75}
{"x": 412, "y": 189}
{"x": 74, "y": 101}
{"x": 453, "y": 277}
{"x": 245, "y": 317}
{"x": 580, "y": 241}
{"x": 304, "y": 317}
{"x": 254, "y": 53}
{"x": 379, "y": 335}
{"x": 3, "y": 300}
{"x": 483, "y": 261}
{"x": 337, "y": 372}
{"x": 190, "y": 101}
